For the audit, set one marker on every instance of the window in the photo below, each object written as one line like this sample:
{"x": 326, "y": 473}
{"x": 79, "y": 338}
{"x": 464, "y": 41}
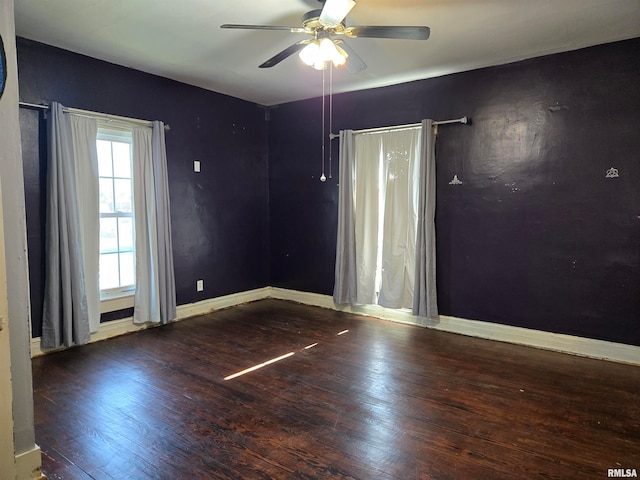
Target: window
{"x": 117, "y": 256}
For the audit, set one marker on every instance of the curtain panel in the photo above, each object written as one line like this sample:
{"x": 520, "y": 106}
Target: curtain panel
{"x": 155, "y": 296}
{"x": 425, "y": 297}
{"x": 402, "y": 155}
{"x": 71, "y": 310}
{"x": 166, "y": 274}
{"x": 345, "y": 289}
{"x": 354, "y": 270}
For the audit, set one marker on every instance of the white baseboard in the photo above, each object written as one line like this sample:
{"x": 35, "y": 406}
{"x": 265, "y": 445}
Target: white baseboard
{"x": 206, "y": 306}
{"x": 586, "y": 347}
{"x": 125, "y": 325}
{"x": 29, "y": 465}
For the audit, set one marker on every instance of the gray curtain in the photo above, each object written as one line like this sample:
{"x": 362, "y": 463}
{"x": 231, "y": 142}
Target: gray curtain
{"x": 345, "y": 286}
{"x": 425, "y": 301}
{"x": 155, "y": 297}
{"x": 70, "y": 311}
{"x": 167, "y": 282}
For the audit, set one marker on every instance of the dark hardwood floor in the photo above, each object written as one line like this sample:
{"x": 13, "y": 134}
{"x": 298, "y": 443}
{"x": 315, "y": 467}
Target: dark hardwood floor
{"x": 381, "y": 401}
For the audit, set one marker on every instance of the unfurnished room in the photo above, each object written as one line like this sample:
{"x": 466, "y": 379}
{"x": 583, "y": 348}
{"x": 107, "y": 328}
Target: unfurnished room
{"x": 307, "y": 239}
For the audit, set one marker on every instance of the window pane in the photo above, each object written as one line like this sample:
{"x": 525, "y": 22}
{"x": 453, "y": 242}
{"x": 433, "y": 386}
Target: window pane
{"x": 121, "y": 160}
{"x": 109, "y": 271}
{"x": 123, "y": 195}
{"x": 104, "y": 158}
{"x": 125, "y": 233}
{"x": 108, "y": 235}
{"x": 127, "y": 269}
{"x": 117, "y": 236}
{"x": 106, "y": 195}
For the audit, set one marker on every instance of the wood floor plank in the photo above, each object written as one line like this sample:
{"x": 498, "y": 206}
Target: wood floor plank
{"x": 360, "y": 398}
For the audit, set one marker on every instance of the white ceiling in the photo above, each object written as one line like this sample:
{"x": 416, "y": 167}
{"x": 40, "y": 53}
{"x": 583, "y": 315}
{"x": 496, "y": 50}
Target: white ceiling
{"x": 182, "y": 39}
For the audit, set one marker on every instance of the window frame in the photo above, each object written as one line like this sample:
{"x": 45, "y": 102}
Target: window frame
{"x": 121, "y": 297}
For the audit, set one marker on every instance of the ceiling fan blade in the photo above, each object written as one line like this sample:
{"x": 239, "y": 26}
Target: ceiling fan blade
{"x": 286, "y": 53}
{"x": 334, "y": 11}
{"x": 403, "y": 33}
{"x": 354, "y": 63}
{"x": 262, "y": 27}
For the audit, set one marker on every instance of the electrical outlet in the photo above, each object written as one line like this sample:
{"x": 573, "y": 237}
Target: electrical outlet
{"x": 196, "y": 165}
{"x": 200, "y": 285}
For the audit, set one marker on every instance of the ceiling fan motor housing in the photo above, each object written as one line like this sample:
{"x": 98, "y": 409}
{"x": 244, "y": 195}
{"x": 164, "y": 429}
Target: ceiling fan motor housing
{"x": 311, "y": 23}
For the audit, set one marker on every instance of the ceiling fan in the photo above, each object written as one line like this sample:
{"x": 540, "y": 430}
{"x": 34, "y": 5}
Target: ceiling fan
{"x": 324, "y": 25}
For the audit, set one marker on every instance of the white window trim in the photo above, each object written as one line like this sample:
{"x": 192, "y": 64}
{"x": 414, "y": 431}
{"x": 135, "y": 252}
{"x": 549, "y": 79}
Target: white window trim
{"x": 119, "y": 298}
{"x": 115, "y": 302}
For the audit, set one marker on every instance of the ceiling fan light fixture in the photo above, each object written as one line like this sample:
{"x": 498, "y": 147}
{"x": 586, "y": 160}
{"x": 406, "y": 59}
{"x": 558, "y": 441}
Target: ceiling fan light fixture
{"x": 341, "y": 58}
{"x": 320, "y": 65}
{"x": 319, "y": 53}
{"x": 339, "y": 61}
{"x": 328, "y": 50}
{"x": 310, "y": 53}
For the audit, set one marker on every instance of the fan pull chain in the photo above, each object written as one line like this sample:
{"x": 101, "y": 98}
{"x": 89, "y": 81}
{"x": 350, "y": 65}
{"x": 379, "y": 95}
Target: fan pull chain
{"x": 330, "y": 111}
{"x": 322, "y": 177}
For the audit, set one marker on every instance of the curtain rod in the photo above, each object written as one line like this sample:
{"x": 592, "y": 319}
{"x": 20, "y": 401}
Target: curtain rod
{"x": 34, "y": 105}
{"x": 464, "y": 120}
{"x": 89, "y": 113}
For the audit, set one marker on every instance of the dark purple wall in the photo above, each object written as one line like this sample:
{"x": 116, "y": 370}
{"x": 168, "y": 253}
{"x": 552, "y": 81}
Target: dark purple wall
{"x": 219, "y": 217}
{"x": 536, "y": 236}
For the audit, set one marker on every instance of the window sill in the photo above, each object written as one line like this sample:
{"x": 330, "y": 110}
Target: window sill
{"x": 117, "y": 301}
